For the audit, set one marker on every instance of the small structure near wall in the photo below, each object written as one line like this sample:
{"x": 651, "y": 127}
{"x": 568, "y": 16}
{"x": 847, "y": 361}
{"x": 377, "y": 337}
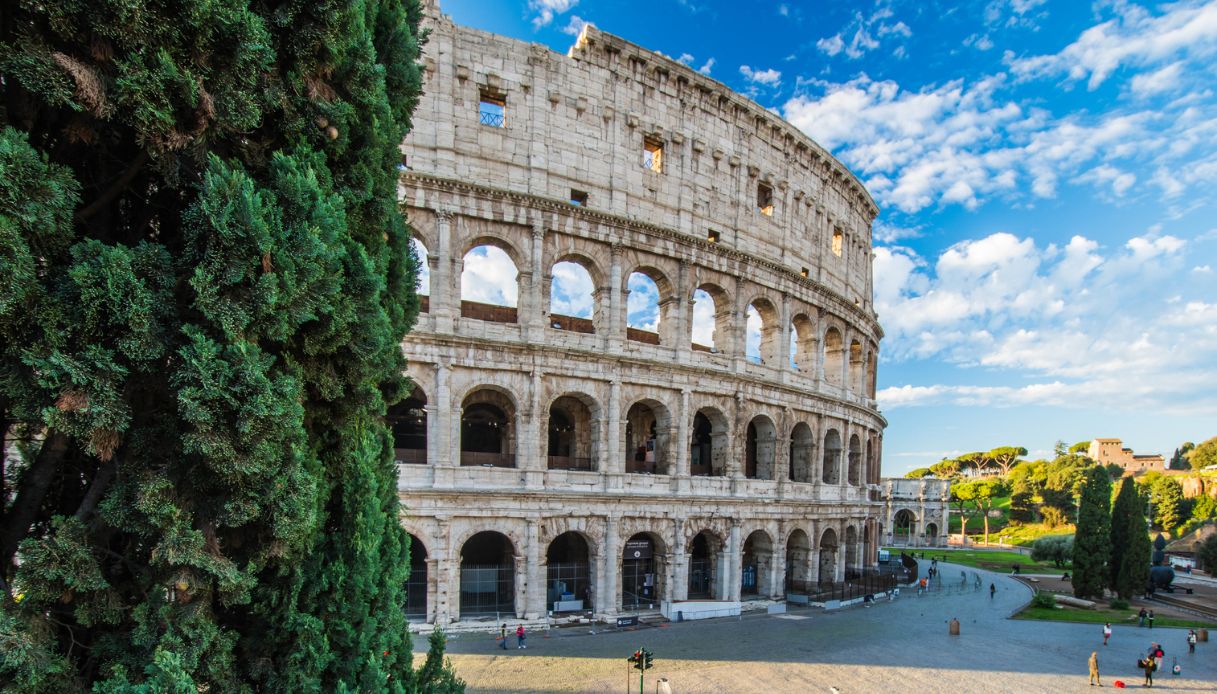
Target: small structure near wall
{"x": 1112, "y": 451}
{"x": 915, "y": 512}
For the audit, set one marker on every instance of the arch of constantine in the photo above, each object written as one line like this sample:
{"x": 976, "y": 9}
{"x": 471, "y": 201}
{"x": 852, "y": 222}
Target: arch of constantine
{"x": 669, "y": 395}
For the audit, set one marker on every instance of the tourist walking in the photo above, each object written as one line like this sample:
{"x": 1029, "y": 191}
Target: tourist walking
{"x": 503, "y": 636}
{"x": 992, "y": 590}
{"x": 1149, "y": 665}
{"x": 1141, "y": 617}
{"x": 520, "y": 637}
{"x": 1094, "y": 669}
{"x": 1106, "y": 632}
{"x": 1191, "y": 640}
{"x": 1151, "y": 619}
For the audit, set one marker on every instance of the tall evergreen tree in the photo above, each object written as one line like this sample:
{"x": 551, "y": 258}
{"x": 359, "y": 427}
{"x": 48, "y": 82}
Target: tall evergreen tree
{"x": 1126, "y": 506}
{"x": 1134, "y": 565}
{"x": 206, "y": 282}
{"x": 1170, "y": 508}
{"x": 1092, "y": 541}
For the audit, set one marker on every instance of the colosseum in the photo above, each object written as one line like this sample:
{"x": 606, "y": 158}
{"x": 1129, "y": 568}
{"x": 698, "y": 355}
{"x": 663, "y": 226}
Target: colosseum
{"x": 645, "y": 366}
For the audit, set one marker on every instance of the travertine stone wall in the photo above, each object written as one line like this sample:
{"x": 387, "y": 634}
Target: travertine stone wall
{"x": 578, "y": 122}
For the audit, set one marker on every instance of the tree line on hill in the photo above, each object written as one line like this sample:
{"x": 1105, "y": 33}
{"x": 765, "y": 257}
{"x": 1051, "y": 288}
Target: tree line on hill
{"x": 1049, "y": 491}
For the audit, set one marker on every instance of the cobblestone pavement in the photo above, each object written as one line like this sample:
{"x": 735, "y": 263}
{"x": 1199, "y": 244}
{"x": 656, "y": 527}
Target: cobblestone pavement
{"x": 898, "y": 646}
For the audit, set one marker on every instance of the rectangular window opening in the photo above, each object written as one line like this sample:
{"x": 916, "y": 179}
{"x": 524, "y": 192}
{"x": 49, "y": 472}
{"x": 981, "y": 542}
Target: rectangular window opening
{"x": 578, "y": 197}
{"x": 764, "y": 199}
{"x": 652, "y": 155}
{"x": 712, "y": 236}
{"x": 492, "y": 109}
{"x": 806, "y": 272}
{"x": 838, "y": 240}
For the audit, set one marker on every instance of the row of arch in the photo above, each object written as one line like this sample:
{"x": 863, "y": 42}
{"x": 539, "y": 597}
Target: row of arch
{"x": 491, "y": 569}
{"x": 489, "y": 436}
{"x": 489, "y": 290}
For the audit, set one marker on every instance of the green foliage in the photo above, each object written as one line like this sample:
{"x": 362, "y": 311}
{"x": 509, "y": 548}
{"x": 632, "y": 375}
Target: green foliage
{"x": 1005, "y": 457}
{"x": 1043, "y": 600}
{"x": 1079, "y": 448}
{"x": 1204, "y": 508}
{"x": 1170, "y": 508}
{"x": 1057, "y": 549}
{"x": 919, "y": 473}
{"x": 1124, "y": 509}
{"x": 1203, "y": 455}
{"x": 1118, "y": 604}
{"x": 1022, "y": 501}
{"x": 945, "y": 469}
{"x": 1206, "y": 554}
{"x": 1134, "y": 566}
{"x": 1054, "y": 517}
{"x": 1092, "y": 543}
{"x": 206, "y": 284}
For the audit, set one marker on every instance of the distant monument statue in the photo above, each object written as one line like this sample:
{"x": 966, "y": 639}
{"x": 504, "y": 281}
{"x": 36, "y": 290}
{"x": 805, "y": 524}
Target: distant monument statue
{"x": 1161, "y": 575}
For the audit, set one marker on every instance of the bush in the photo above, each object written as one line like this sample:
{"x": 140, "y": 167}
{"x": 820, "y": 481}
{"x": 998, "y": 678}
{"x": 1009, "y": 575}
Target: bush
{"x": 1057, "y": 549}
{"x": 1046, "y": 600}
{"x": 1119, "y": 604}
{"x": 1053, "y": 516}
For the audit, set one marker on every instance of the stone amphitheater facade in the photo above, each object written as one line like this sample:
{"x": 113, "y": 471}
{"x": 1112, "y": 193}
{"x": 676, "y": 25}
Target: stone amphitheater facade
{"x": 557, "y": 462}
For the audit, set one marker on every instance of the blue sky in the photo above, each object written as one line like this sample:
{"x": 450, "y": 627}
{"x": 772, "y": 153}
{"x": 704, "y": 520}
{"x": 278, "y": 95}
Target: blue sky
{"x": 1046, "y": 254}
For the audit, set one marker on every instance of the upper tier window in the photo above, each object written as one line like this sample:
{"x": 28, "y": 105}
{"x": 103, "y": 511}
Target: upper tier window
{"x": 492, "y": 110}
{"x": 838, "y": 240}
{"x": 652, "y": 155}
{"x": 764, "y": 199}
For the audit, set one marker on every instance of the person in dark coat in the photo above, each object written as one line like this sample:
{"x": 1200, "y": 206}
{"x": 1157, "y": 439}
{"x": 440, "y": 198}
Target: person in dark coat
{"x": 1149, "y": 665}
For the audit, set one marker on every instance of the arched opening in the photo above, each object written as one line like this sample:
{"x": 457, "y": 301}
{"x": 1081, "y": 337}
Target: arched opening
{"x": 931, "y": 534}
{"x": 489, "y": 287}
{"x": 868, "y": 550}
{"x": 802, "y": 452}
{"x": 487, "y": 576}
{"x": 828, "y": 557}
{"x": 855, "y": 460}
{"x": 761, "y": 333}
{"x": 705, "y": 551}
{"x": 573, "y": 434}
{"x": 802, "y": 344}
{"x": 798, "y": 563}
{"x": 568, "y": 578}
{"x": 760, "y": 448}
{"x": 571, "y": 298}
{"x": 851, "y": 553}
{"x": 642, "y": 572}
{"x": 647, "y": 429}
{"x": 488, "y": 430}
{"x": 832, "y": 457}
{"x": 710, "y": 315}
{"x": 643, "y": 314}
{"x": 756, "y": 572}
{"x": 708, "y": 447}
{"x": 416, "y": 582}
{"x": 902, "y": 527}
{"x": 870, "y": 374}
{"x": 870, "y": 461}
{"x": 422, "y": 285}
{"x": 834, "y": 357}
{"x": 407, "y": 421}
{"x": 856, "y": 367}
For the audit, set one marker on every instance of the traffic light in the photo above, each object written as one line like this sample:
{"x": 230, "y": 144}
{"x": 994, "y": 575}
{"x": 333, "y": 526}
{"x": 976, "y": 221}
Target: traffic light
{"x": 647, "y": 657}
{"x": 636, "y": 659}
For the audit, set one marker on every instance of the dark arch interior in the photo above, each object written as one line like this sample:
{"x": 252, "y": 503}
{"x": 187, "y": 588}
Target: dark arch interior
{"x": 568, "y": 573}
{"x": 641, "y": 573}
{"x": 487, "y": 576}
{"x": 407, "y": 421}
{"x": 702, "y": 568}
{"x": 416, "y": 583}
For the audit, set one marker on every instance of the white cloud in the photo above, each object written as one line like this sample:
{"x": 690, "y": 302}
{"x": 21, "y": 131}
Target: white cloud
{"x": 424, "y": 270}
{"x": 642, "y": 307}
{"x": 575, "y": 26}
{"x": 703, "y": 318}
{"x": 769, "y": 78}
{"x": 1134, "y": 38}
{"x": 707, "y": 67}
{"x": 1157, "y": 82}
{"x": 571, "y": 293}
{"x": 1203, "y": 269}
{"x": 546, "y": 10}
{"x": 865, "y": 34}
{"x": 489, "y": 277}
{"x": 685, "y": 59}
{"x": 832, "y": 45}
{"x": 1074, "y": 324}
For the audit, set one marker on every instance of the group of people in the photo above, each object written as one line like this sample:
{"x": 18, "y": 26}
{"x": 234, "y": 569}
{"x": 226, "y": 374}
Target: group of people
{"x": 1145, "y": 617}
{"x": 519, "y": 637}
{"x": 1149, "y": 664}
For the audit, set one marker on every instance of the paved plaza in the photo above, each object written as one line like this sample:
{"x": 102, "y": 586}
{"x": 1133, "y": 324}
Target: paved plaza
{"x": 899, "y": 646}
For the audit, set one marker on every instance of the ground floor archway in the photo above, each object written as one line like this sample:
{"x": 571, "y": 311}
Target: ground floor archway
{"x": 705, "y": 552}
{"x": 568, "y": 578}
{"x": 642, "y": 572}
{"x": 487, "y": 576}
{"x": 416, "y": 583}
{"x": 757, "y": 565}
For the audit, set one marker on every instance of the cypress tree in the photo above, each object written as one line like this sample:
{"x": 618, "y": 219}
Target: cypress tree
{"x": 1134, "y": 567}
{"x": 1092, "y": 541}
{"x": 1126, "y": 506}
{"x": 207, "y": 280}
